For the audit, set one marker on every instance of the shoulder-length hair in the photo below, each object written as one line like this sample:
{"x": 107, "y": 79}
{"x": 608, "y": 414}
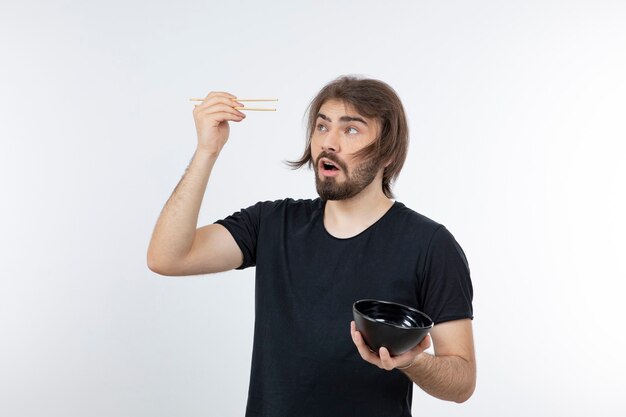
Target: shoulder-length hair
{"x": 373, "y": 99}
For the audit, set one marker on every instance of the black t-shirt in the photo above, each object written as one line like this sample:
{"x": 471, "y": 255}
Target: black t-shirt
{"x": 304, "y": 362}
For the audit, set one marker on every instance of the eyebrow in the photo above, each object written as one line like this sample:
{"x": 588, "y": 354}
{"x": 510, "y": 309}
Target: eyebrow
{"x": 343, "y": 118}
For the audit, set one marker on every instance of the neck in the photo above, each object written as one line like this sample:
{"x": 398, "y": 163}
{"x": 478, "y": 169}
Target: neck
{"x": 347, "y": 218}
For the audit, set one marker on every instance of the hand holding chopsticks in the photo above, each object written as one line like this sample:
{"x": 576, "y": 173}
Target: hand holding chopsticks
{"x": 213, "y": 114}
{"x": 247, "y": 100}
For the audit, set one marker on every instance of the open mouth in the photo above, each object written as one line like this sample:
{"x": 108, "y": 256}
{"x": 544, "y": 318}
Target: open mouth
{"x": 328, "y": 168}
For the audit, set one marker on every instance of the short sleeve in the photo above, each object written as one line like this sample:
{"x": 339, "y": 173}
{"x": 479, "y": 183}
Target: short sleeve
{"x": 244, "y": 226}
{"x": 446, "y": 291}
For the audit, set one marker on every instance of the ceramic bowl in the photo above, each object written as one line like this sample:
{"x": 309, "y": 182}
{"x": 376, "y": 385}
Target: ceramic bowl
{"x": 397, "y": 327}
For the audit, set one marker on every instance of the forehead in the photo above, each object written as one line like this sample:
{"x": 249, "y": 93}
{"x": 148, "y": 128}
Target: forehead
{"x": 334, "y": 109}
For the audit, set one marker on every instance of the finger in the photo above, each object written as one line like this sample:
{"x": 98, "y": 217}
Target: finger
{"x": 406, "y": 359}
{"x": 364, "y": 350}
{"x": 387, "y": 362}
{"x": 225, "y": 117}
{"x": 391, "y": 362}
{"x": 214, "y": 100}
{"x": 220, "y": 94}
{"x": 354, "y": 332}
{"x": 217, "y": 108}
{"x": 221, "y": 108}
{"x": 213, "y": 96}
{"x": 208, "y": 102}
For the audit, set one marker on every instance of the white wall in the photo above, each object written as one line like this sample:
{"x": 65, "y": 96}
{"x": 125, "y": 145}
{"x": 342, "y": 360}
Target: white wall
{"x": 517, "y": 115}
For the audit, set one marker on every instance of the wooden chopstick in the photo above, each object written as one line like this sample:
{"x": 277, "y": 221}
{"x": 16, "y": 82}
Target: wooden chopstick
{"x": 254, "y": 108}
{"x": 241, "y": 99}
{"x": 247, "y": 99}
{"x": 255, "y": 99}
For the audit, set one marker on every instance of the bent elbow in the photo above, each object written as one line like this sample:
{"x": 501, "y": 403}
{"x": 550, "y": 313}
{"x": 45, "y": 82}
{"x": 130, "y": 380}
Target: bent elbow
{"x": 158, "y": 267}
{"x": 465, "y": 395}
{"x": 462, "y": 399}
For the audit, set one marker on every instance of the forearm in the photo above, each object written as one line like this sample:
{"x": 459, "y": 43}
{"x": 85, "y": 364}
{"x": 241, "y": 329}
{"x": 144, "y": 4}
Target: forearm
{"x": 175, "y": 229}
{"x": 450, "y": 378}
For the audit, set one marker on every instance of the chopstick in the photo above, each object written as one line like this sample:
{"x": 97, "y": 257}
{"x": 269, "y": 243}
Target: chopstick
{"x": 241, "y": 99}
{"x": 255, "y": 99}
{"x": 255, "y": 108}
{"x": 247, "y": 100}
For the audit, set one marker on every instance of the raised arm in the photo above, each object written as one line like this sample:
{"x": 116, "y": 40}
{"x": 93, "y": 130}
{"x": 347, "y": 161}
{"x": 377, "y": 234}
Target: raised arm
{"x": 177, "y": 247}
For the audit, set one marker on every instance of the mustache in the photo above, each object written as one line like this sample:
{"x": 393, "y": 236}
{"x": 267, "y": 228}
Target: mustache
{"x": 331, "y": 157}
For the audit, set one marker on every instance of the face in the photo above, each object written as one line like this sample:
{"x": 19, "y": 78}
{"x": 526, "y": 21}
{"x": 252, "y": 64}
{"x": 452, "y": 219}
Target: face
{"x": 339, "y": 133}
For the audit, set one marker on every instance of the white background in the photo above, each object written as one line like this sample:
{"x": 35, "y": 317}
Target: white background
{"x": 517, "y": 117}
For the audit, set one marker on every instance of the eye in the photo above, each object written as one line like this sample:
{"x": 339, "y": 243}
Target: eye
{"x": 321, "y": 128}
{"x": 352, "y": 131}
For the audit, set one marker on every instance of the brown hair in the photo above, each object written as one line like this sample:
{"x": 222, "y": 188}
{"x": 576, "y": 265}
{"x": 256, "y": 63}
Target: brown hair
{"x": 373, "y": 99}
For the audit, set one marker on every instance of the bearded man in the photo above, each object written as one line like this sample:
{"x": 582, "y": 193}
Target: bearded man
{"x": 315, "y": 258}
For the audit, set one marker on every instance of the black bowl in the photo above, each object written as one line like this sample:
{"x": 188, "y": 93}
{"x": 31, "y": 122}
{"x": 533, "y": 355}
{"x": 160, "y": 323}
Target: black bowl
{"x": 397, "y": 327}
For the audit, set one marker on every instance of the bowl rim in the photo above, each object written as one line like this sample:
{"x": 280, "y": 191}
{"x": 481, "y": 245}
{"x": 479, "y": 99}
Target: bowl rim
{"x": 354, "y": 308}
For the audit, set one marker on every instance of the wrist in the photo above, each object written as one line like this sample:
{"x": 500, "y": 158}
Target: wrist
{"x": 409, "y": 365}
{"x": 416, "y": 360}
{"x": 405, "y": 367}
{"x": 206, "y": 153}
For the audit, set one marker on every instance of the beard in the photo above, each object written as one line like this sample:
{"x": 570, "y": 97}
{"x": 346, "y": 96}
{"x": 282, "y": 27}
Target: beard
{"x": 361, "y": 176}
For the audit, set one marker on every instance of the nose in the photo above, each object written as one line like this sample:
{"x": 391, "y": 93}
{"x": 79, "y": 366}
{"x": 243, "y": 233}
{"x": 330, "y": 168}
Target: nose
{"x": 330, "y": 141}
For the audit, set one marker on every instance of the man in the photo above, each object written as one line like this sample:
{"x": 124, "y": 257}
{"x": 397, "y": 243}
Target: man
{"x": 315, "y": 258}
